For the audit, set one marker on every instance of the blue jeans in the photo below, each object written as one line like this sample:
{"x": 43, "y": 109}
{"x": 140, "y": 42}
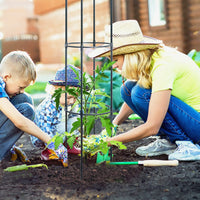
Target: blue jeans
{"x": 9, "y": 133}
{"x": 181, "y": 122}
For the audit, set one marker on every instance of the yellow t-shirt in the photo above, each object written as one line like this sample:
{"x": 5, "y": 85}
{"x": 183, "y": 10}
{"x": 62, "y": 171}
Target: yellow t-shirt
{"x": 174, "y": 70}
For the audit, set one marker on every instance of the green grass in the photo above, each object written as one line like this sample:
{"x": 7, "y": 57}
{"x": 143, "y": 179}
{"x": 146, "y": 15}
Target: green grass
{"x": 37, "y": 87}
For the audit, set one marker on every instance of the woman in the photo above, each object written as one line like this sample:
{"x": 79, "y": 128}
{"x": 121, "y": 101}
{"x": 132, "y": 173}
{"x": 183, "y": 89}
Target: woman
{"x": 162, "y": 87}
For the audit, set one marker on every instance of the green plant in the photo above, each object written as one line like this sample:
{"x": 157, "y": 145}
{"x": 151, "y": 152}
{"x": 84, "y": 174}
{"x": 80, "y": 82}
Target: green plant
{"x": 195, "y": 55}
{"x": 37, "y": 87}
{"x": 93, "y": 108}
{"x": 74, "y": 60}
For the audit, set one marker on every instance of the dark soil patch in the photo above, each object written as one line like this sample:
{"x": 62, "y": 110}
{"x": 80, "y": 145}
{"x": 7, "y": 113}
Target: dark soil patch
{"x": 100, "y": 181}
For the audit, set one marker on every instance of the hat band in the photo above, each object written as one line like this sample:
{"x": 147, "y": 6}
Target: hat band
{"x": 125, "y": 35}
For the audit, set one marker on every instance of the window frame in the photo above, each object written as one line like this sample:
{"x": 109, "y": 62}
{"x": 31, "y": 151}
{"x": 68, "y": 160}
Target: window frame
{"x": 160, "y": 27}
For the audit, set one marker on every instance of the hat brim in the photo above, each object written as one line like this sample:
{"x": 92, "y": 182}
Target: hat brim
{"x": 62, "y": 83}
{"x": 147, "y": 43}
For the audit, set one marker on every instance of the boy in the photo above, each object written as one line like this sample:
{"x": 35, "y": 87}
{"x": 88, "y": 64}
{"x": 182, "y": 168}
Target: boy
{"x": 17, "y": 71}
{"x": 52, "y": 120}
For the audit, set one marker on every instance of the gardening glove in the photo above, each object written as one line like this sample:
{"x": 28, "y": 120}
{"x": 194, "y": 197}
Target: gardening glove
{"x": 105, "y": 134}
{"x": 114, "y": 129}
{"x": 60, "y": 153}
{"x": 91, "y": 142}
{"x": 16, "y": 152}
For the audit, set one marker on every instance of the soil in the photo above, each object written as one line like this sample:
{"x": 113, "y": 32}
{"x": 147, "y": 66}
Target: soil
{"x": 101, "y": 181}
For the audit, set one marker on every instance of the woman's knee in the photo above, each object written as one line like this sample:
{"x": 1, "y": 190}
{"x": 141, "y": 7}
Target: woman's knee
{"x": 140, "y": 95}
{"x": 126, "y": 89}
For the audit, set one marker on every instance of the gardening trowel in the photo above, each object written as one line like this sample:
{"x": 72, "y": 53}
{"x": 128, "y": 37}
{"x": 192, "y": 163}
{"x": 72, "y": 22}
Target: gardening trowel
{"x": 149, "y": 163}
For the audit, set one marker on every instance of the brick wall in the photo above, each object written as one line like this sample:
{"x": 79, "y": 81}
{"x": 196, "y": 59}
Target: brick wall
{"x": 32, "y": 26}
{"x": 44, "y": 6}
{"x": 28, "y": 43}
{"x": 183, "y": 24}
{"x": 52, "y": 36}
{"x": 52, "y": 28}
{"x": 13, "y": 16}
{"x": 193, "y": 25}
{"x": 172, "y": 34}
{"x": 182, "y": 30}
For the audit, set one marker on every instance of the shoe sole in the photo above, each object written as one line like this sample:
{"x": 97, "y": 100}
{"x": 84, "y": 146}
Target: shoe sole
{"x": 185, "y": 159}
{"x": 156, "y": 154}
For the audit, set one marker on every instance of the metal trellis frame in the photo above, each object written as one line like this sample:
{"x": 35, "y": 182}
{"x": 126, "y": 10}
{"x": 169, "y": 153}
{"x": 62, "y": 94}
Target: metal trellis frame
{"x": 82, "y": 45}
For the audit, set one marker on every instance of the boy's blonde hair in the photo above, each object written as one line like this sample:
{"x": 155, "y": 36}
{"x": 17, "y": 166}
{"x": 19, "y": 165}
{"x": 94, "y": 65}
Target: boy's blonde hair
{"x": 137, "y": 65}
{"x": 19, "y": 64}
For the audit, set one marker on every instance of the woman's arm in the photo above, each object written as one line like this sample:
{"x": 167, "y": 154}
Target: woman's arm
{"x": 22, "y": 122}
{"x": 158, "y": 106}
{"x": 124, "y": 113}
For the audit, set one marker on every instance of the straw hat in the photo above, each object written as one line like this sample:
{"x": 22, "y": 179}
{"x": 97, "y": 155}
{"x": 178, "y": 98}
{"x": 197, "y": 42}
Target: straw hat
{"x": 127, "y": 38}
{"x": 59, "y": 79}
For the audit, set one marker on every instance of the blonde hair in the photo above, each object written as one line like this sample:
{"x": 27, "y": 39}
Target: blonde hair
{"x": 137, "y": 66}
{"x": 19, "y": 64}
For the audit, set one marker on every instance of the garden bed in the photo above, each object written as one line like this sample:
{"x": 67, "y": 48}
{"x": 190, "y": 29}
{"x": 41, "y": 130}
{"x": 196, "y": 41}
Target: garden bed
{"x": 100, "y": 181}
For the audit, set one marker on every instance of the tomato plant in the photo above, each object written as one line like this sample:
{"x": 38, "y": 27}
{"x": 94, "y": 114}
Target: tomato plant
{"x": 92, "y": 109}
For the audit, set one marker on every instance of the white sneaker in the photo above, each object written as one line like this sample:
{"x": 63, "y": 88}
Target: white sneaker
{"x": 158, "y": 147}
{"x": 186, "y": 151}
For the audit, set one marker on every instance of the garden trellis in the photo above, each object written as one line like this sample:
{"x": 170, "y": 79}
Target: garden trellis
{"x": 81, "y": 45}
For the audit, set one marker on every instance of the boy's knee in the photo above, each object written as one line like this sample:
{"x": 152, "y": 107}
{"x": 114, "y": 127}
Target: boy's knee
{"x": 22, "y": 98}
{"x": 30, "y": 113}
{"x": 27, "y": 110}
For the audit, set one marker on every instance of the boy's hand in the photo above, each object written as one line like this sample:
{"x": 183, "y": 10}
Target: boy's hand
{"x": 60, "y": 153}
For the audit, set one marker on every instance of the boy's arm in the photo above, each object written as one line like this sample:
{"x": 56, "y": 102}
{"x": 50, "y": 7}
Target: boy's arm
{"x": 22, "y": 122}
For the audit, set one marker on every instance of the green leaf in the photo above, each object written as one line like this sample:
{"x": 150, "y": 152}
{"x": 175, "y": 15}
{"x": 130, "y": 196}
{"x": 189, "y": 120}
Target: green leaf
{"x": 76, "y": 125}
{"x": 77, "y": 74}
{"x": 120, "y": 145}
{"x": 90, "y": 124}
{"x": 107, "y": 124}
{"x": 57, "y": 95}
{"x": 58, "y": 140}
{"x": 73, "y": 91}
{"x": 192, "y": 53}
{"x": 195, "y": 55}
{"x": 100, "y": 92}
{"x": 198, "y": 63}
{"x": 71, "y": 140}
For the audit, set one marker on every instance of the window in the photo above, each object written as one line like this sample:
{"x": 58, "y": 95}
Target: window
{"x": 157, "y": 14}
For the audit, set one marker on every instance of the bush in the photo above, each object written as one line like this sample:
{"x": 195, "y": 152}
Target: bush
{"x": 37, "y": 87}
{"x": 195, "y": 55}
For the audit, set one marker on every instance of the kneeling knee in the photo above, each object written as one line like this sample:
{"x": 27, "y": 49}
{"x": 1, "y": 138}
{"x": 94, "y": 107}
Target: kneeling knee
{"x": 27, "y": 110}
